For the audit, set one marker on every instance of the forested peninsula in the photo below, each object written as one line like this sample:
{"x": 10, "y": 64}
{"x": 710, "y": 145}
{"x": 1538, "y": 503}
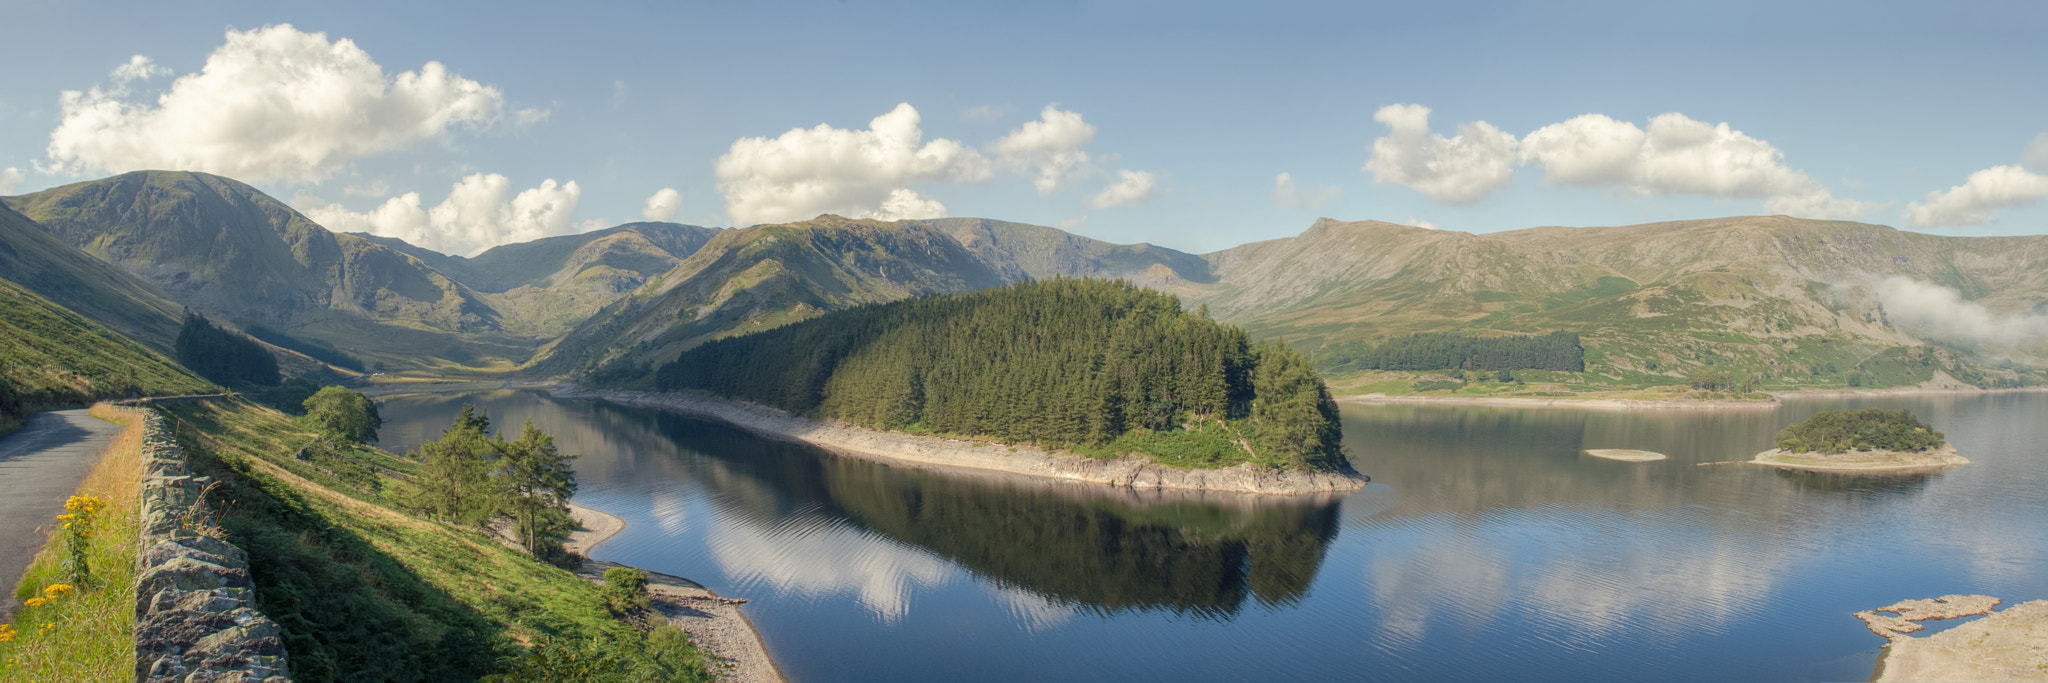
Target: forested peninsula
{"x": 1096, "y": 368}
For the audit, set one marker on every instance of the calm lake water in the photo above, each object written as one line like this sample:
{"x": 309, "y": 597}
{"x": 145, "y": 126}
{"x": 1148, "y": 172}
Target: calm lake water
{"x": 1487, "y": 547}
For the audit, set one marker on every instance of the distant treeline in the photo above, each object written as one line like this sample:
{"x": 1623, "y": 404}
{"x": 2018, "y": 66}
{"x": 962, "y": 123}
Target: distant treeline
{"x": 223, "y": 356}
{"x": 1058, "y": 362}
{"x": 1558, "y": 351}
{"x": 315, "y": 349}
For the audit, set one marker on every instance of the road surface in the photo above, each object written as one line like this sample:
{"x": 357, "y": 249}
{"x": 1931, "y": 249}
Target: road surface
{"x": 41, "y": 464}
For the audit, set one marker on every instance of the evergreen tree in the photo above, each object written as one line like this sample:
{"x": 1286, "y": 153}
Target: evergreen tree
{"x": 539, "y": 481}
{"x": 453, "y": 483}
{"x": 223, "y": 356}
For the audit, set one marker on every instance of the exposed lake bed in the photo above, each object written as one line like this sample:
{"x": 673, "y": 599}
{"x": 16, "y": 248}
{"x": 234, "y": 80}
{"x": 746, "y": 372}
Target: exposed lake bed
{"x": 1488, "y": 547}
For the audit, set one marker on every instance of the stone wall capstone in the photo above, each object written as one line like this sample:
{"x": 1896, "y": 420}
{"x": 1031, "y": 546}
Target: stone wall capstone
{"x": 195, "y": 606}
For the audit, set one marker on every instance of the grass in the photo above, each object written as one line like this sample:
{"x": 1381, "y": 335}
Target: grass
{"x": 89, "y": 634}
{"x": 364, "y": 592}
{"x": 51, "y": 355}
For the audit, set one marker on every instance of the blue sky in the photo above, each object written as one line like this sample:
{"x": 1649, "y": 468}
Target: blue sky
{"x": 1854, "y": 110}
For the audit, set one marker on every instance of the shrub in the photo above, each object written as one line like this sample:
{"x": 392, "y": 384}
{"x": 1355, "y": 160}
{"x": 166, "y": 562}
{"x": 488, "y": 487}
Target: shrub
{"x": 625, "y": 590}
{"x": 343, "y": 415}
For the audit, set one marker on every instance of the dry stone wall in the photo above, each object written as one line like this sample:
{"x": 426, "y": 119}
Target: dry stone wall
{"x": 195, "y": 606}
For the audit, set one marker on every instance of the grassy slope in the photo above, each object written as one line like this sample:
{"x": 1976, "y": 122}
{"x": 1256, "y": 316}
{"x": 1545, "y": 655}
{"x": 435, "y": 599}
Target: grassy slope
{"x": 362, "y": 591}
{"x": 89, "y": 634}
{"x": 35, "y": 259}
{"x": 49, "y": 355}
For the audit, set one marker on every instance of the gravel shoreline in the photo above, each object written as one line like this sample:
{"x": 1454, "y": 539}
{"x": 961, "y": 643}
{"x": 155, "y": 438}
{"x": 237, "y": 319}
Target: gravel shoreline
{"x": 2006, "y": 645}
{"x": 1863, "y": 461}
{"x": 714, "y": 623}
{"x": 1580, "y": 403}
{"x": 937, "y": 452}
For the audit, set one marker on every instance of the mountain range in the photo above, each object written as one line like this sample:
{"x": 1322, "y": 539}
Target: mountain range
{"x": 1790, "y": 302}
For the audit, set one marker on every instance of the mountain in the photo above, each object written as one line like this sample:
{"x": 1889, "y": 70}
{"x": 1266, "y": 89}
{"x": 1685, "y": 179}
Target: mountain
{"x": 1784, "y": 301}
{"x": 224, "y": 248}
{"x": 1792, "y": 301}
{"x": 34, "y": 259}
{"x": 544, "y": 287}
{"x": 756, "y": 278}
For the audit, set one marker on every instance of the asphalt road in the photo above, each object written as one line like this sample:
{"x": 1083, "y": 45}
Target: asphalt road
{"x": 41, "y": 464}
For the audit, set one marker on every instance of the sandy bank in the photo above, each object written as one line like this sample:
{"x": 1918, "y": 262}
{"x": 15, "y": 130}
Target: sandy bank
{"x": 592, "y": 528}
{"x": 1580, "y": 403}
{"x": 1863, "y": 461}
{"x": 1625, "y": 454}
{"x": 714, "y": 623}
{"x": 936, "y": 452}
{"x": 2011, "y": 645}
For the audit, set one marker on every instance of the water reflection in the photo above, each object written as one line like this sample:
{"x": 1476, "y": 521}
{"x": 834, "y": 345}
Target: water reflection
{"x": 1489, "y": 547}
{"x": 1068, "y": 545}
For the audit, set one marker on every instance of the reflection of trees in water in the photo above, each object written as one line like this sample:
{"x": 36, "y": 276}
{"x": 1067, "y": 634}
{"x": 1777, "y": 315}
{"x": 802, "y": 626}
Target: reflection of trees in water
{"x": 1066, "y": 543}
{"x": 1081, "y": 545}
{"x": 1858, "y": 484}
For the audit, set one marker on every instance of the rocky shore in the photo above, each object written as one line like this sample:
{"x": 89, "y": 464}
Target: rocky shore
{"x": 714, "y": 623}
{"x": 1863, "y": 461}
{"x": 2011, "y": 645}
{"x": 937, "y": 452}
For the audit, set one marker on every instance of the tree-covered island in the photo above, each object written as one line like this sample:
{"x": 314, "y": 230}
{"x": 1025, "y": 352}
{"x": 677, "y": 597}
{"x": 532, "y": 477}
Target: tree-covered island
{"x": 1096, "y": 367}
{"x": 1860, "y": 440}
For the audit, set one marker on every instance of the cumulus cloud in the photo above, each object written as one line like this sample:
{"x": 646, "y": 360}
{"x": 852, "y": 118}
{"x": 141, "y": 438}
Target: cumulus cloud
{"x": 857, "y": 173}
{"x": 271, "y": 104}
{"x": 662, "y": 206}
{"x": 1972, "y": 203}
{"x": 1426, "y": 225}
{"x": 1131, "y": 187}
{"x": 10, "y": 178}
{"x": 1678, "y": 155}
{"x": 480, "y": 212}
{"x": 1931, "y": 310}
{"x": 1056, "y": 145}
{"x": 1286, "y": 194}
{"x": 1461, "y": 169}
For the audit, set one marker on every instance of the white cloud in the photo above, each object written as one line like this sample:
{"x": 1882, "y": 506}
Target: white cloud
{"x": 1286, "y": 194}
{"x": 984, "y": 113}
{"x": 10, "y": 178}
{"x": 1971, "y": 203}
{"x": 662, "y": 206}
{"x": 1928, "y": 309}
{"x": 273, "y": 103}
{"x": 480, "y": 212}
{"x": 1457, "y": 170}
{"x": 2037, "y": 153}
{"x": 1678, "y": 155}
{"x": 1132, "y": 187}
{"x": 1426, "y": 225}
{"x": 138, "y": 68}
{"x": 1056, "y": 144}
{"x": 856, "y": 173}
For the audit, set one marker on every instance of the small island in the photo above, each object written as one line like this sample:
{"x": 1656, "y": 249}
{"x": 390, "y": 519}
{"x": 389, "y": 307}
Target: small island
{"x": 1625, "y": 454}
{"x": 1867, "y": 440}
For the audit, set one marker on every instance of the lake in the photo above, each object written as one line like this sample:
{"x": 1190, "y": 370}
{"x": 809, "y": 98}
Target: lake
{"x": 1488, "y": 547}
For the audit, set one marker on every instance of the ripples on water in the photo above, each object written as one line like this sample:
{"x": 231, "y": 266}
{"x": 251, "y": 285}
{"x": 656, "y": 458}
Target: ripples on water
{"x": 1488, "y": 547}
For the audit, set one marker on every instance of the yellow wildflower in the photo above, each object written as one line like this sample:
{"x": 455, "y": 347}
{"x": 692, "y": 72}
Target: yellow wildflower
{"x": 34, "y": 602}
{"x": 57, "y": 590}
{"x": 6, "y": 633}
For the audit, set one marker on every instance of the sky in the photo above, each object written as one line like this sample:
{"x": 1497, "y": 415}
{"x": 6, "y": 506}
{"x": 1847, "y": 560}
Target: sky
{"x": 1197, "y": 126}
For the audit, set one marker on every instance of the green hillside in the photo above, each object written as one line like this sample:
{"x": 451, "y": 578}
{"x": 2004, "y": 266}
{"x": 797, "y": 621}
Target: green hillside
{"x": 33, "y": 258}
{"x": 49, "y": 355}
{"x": 1786, "y": 301}
{"x": 1096, "y": 365}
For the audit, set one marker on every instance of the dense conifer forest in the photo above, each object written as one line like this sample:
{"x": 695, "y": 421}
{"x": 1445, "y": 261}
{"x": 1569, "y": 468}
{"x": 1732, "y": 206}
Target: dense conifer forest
{"x": 1060, "y": 362}
{"x": 224, "y": 356}
{"x": 1558, "y": 351}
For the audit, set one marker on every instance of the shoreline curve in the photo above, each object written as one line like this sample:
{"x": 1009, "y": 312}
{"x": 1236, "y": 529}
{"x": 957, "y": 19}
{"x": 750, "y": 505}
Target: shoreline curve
{"x": 933, "y": 452}
{"x": 1864, "y": 461}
